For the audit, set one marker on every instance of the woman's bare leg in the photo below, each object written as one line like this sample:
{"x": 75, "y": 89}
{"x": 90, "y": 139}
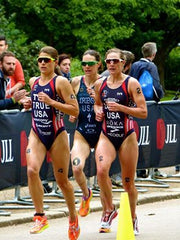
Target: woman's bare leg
{"x": 128, "y": 156}
{"x": 60, "y": 155}
{"x": 35, "y": 154}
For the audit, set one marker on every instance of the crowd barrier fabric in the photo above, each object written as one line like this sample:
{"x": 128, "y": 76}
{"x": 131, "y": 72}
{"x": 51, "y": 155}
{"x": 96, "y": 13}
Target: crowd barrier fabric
{"x": 158, "y": 139}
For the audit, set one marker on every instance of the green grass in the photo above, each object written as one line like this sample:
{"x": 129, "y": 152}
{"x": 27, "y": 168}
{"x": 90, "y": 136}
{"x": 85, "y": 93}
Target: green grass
{"x": 169, "y": 94}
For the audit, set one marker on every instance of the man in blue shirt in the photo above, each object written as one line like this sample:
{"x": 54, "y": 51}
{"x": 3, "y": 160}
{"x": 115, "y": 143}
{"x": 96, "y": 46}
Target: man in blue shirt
{"x": 7, "y": 68}
{"x": 149, "y": 50}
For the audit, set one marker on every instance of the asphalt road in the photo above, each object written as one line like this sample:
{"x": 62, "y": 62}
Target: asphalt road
{"x": 157, "y": 221}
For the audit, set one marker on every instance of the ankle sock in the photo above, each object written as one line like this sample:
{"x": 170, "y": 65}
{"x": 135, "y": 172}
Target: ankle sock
{"x": 39, "y": 214}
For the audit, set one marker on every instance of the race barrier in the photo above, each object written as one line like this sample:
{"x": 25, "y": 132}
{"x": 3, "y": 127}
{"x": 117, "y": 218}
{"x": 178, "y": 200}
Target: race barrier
{"x": 158, "y": 139}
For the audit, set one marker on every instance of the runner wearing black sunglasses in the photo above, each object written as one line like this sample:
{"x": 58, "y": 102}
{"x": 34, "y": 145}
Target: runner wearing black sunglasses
{"x": 51, "y": 97}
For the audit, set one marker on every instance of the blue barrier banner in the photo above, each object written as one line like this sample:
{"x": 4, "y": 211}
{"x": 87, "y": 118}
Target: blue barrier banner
{"x": 158, "y": 139}
{"x": 168, "y": 134}
{"x": 14, "y": 129}
{"x": 159, "y": 135}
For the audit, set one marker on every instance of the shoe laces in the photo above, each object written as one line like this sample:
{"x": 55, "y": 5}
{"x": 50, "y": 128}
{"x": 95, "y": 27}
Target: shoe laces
{"x": 83, "y": 203}
{"x": 73, "y": 225}
{"x": 84, "y": 200}
{"x": 73, "y": 229}
{"x": 38, "y": 220}
{"x": 105, "y": 218}
{"x": 36, "y": 224}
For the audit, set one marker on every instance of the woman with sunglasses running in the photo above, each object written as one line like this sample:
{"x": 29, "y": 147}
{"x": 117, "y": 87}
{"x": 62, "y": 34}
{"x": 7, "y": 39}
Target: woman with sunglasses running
{"x": 117, "y": 98}
{"x": 51, "y": 97}
{"x": 88, "y": 129}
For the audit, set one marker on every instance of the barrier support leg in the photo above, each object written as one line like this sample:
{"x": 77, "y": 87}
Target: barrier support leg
{"x": 172, "y": 178}
{"x": 18, "y": 200}
{"x": 54, "y": 193}
{"x": 5, "y": 213}
{"x": 157, "y": 183}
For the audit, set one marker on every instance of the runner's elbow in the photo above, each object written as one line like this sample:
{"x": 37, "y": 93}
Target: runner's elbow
{"x": 144, "y": 113}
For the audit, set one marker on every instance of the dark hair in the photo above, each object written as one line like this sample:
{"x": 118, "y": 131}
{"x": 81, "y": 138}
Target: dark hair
{"x": 96, "y": 55}
{"x": 54, "y": 54}
{"x": 3, "y": 38}
{"x": 129, "y": 57}
{"x": 62, "y": 57}
{"x": 51, "y": 51}
{"x": 6, "y": 53}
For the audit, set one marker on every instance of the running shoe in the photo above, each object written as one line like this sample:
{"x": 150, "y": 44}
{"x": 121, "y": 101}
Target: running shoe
{"x": 85, "y": 205}
{"x": 158, "y": 174}
{"x": 106, "y": 221}
{"x": 116, "y": 179}
{"x": 74, "y": 230}
{"x": 135, "y": 226}
{"x": 40, "y": 224}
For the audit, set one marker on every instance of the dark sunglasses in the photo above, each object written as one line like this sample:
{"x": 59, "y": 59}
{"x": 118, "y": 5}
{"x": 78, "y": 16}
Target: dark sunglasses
{"x": 113, "y": 60}
{"x": 89, "y": 63}
{"x": 45, "y": 59}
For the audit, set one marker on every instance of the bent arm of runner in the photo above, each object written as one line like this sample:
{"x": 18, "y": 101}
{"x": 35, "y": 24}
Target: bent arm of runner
{"x": 135, "y": 92}
{"x": 98, "y": 107}
{"x": 65, "y": 91}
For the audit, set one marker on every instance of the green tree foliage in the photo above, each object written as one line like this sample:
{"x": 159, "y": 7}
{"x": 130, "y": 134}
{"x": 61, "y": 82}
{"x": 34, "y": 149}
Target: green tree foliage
{"x": 173, "y": 63}
{"x": 18, "y": 44}
{"x": 76, "y": 69}
{"x": 73, "y": 26}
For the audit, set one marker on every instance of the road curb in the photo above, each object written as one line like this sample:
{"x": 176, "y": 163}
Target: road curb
{"x": 20, "y": 218}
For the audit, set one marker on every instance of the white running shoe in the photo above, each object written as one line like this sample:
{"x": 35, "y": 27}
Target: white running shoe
{"x": 106, "y": 221}
{"x": 135, "y": 226}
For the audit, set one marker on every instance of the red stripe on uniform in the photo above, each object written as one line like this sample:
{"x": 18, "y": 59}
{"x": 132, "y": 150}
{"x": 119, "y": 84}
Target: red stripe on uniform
{"x": 125, "y": 91}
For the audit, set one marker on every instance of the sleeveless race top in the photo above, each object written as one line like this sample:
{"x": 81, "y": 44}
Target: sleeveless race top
{"x": 116, "y": 125}
{"x": 87, "y": 125}
{"x": 47, "y": 122}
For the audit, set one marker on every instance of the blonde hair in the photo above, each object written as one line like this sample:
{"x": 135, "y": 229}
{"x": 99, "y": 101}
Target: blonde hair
{"x": 118, "y": 51}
